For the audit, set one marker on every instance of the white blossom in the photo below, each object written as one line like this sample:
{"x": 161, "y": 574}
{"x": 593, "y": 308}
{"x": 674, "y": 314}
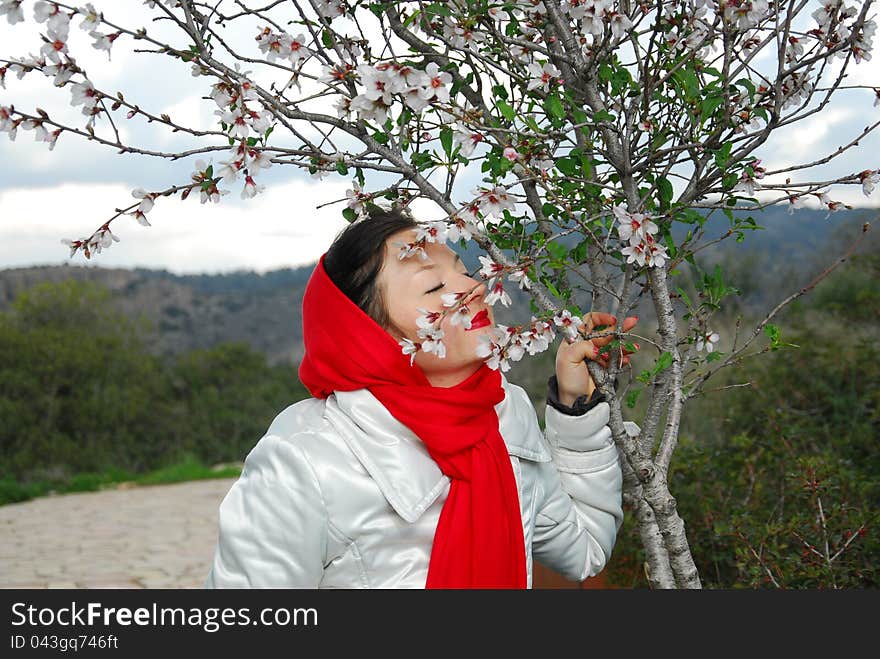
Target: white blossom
{"x": 542, "y": 76}
{"x": 91, "y": 17}
{"x": 708, "y": 341}
{"x": 12, "y": 10}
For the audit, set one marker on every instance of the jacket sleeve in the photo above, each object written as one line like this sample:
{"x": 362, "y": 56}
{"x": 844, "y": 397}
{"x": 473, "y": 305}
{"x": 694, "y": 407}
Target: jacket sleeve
{"x": 272, "y": 522}
{"x": 580, "y": 498}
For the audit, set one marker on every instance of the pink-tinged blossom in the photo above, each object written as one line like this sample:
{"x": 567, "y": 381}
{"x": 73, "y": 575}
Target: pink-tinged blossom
{"x": 510, "y": 153}
{"x": 368, "y": 110}
{"x": 298, "y": 50}
{"x": 273, "y": 44}
{"x": 542, "y": 76}
{"x": 356, "y": 199}
{"x": 331, "y": 9}
{"x": 620, "y": 23}
{"x": 451, "y": 299}
{"x": 432, "y": 232}
{"x": 492, "y": 348}
{"x": 103, "y": 41}
{"x": 236, "y": 122}
{"x": 708, "y": 341}
{"x": 498, "y": 293}
{"x": 339, "y": 72}
{"x": 541, "y": 334}
{"x": 229, "y": 171}
{"x": 343, "y": 107}
{"x": 634, "y": 253}
{"x": 260, "y": 121}
{"x": 568, "y": 323}
{"x": 251, "y": 188}
{"x": 61, "y": 72}
{"x": 655, "y": 253}
{"x": 490, "y": 269}
{"x": 796, "y": 201}
{"x": 462, "y": 35}
{"x": 437, "y": 81}
{"x": 84, "y": 92}
{"x": 220, "y": 92}
{"x": 258, "y": 160}
{"x": 459, "y": 228}
{"x": 426, "y": 320}
{"x": 467, "y": 139}
{"x": 494, "y": 201}
{"x": 7, "y": 125}
{"x": 633, "y": 227}
{"x": 519, "y": 276}
{"x": 56, "y": 45}
{"x": 748, "y": 181}
{"x": 410, "y": 348}
{"x": 461, "y": 316}
{"x": 434, "y": 342}
{"x": 408, "y": 249}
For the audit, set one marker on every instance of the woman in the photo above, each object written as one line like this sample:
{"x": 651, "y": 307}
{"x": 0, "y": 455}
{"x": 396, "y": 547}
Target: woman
{"x": 424, "y": 471}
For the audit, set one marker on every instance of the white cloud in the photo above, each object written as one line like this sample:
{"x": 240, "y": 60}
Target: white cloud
{"x": 280, "y": 228}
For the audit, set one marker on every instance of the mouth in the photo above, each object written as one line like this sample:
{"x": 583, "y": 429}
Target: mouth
{"x": 479, "y": 320}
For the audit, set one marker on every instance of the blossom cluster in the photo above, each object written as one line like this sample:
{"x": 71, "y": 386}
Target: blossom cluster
{"x": 99, "y": 240}
{"x": 503, "y": 344}
{"x": 636, "y": 231}
{"x": 385, "y": 81}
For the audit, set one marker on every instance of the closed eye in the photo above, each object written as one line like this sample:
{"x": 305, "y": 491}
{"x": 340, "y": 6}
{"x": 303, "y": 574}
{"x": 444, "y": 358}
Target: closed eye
{"x": 442, "y": 284}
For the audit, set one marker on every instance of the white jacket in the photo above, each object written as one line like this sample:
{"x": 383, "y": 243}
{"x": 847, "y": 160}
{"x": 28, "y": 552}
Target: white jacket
{"x": 340, "y": 494}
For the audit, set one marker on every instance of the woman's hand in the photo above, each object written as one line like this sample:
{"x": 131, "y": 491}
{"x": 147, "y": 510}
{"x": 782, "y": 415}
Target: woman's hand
{"x": 572, "y": 375}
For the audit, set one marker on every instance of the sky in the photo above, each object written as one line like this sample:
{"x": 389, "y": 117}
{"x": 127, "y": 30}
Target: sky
{"x": 69, "y": 192}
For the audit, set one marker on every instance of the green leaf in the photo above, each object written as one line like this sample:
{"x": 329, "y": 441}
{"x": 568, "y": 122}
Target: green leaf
{"x": 438, "y": 9}
{"x": 684, "y": 296}
{"x": 665, "y": 189}
{"x": 446, "y": 140}
{"x": 327, "y": 38}
{"x": 506, "y": 111}
{"x": 664, "y": 361}
{"x": 632, "y": 397}
{"x": 349, "y": 214}
{"x": 341, "y": 168}
{"x": 553, "y": 106}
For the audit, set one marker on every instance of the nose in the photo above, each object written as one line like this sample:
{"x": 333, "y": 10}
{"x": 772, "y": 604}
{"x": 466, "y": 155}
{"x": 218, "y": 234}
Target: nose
{"x": 478, "y": 293}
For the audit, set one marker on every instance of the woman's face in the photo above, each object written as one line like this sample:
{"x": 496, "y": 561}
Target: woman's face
{"x": 413, "y": 283}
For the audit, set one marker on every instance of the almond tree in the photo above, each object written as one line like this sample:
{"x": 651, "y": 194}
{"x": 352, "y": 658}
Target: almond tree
{"x": 580, "y": 114}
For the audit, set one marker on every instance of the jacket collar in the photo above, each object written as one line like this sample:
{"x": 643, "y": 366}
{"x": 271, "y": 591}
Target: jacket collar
{"x": 400, "y": 463}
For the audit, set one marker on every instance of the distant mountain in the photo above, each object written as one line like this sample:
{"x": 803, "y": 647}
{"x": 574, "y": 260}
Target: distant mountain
{"x": 264, "y": 310}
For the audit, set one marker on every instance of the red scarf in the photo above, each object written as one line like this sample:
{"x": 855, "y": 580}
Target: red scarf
{"x": 479, "y": 538}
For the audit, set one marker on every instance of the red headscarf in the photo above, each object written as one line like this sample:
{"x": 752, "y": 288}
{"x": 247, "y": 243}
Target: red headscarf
{"x": 479, "y": 540}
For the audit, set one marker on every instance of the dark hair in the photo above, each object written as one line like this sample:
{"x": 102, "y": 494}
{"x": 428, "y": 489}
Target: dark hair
{"x": 356, "y": 256}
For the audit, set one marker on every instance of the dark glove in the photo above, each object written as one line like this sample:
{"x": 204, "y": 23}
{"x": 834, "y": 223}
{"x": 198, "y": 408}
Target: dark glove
{"x": 582, "y": 404}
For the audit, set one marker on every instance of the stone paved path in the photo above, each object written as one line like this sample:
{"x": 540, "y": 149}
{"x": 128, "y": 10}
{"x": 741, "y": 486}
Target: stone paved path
{"x": 158, "y": 536}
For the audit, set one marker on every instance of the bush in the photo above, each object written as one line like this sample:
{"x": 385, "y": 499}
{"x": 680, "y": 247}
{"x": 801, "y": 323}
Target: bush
{"x": 83, "y": 403}
{"x": 777, "y": 483}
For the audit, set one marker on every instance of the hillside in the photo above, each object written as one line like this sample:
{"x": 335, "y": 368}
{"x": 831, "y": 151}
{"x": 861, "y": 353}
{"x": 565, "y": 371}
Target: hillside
{"x": 263, "y": 310}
